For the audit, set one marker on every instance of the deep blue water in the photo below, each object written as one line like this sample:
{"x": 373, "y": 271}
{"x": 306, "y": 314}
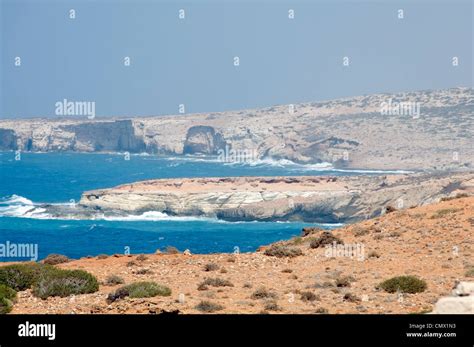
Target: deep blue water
{"x": 60, "y": 177}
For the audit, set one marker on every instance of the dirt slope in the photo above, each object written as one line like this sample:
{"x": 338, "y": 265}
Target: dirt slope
{"x": 433, "y": 242}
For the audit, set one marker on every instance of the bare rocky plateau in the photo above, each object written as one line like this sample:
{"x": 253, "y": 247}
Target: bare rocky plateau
{"x": 314, "y": 199}
{"x": 349, "y": 133}
{"x": 433, "y": 242}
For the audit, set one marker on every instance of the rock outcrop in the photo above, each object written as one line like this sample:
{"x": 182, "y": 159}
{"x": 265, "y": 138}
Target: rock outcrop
{"x": 349, "y": 133}
{"x": 460, "y": 302}
{"x": 203, "y": 140}
{"x": 318, "y": 199}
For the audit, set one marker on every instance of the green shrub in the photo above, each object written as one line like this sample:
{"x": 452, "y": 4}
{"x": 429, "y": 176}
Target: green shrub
{"x": 309, "y": 296}
{"x": 263, "y": 293}
{"x": 351, "y": 297}
{"x": 359, "y": 231}
{"x": 139, "y": 290}
{"x": 7, "y": 292}
{"x": 457, "y": 196}
{"x": 344, "y": 281}
{"x": 231, "y": 259}
{"x": 209, "y": 307}
{"x": 143, "y": 271}
{"x": 322, "y": 310}
{"x": 46, "y": 280}
{"x": 22, "y": 276}
{"x": 214, "y": 282}
{"x": 469, "y": 272}
{"x": 64, "y": 283}
{"x": 373, "y": 254}
{"x": 325, "y": 284}
{"x": 403, "y": 284}
{"x": 202, "y": 286}
{"x": 297, "y": 240}
{"x": 211, "y": 267}
{"x": 326, "y": 238}
{"x": 7, "y": 297}
{"x": 6, "y": 305}
{"x": 113, "y": 280}
{"x": 272, "y": 305}
{"x": 55, "y": 259}
{"x": 281, "y": 251}
{"x": 445, "y": 212}
{"x": 310, "y": 231}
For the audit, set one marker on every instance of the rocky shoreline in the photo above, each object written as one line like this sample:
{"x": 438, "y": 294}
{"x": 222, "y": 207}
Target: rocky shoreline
{"x": 433, "y": 243}
{"x": 324, "y": 199}
{"x": 348, "y": 133}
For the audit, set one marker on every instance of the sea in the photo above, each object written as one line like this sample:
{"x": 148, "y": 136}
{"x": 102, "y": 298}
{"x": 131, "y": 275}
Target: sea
{"x": 32, "y": 179}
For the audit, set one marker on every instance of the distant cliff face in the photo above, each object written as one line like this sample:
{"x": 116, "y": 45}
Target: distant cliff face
{"x": 8, "y": 139}
{"x": 78, "y": 136}
{"x": 203, "y": 140}
{"x": 418, "y": 130}
{"x": 105, "y": 136}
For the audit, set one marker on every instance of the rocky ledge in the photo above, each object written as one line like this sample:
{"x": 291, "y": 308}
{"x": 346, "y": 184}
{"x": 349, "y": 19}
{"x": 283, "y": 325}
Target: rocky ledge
{"x": 314, "y": 199}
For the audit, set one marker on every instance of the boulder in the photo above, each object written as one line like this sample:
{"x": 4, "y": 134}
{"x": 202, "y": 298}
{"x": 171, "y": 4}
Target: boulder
{"x": 455, "y": 305}
{"x": 464, "y": 289}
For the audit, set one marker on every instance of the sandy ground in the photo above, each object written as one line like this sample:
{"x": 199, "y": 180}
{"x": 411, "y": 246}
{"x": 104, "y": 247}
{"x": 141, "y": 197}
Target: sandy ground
{"x": 434, "y": 242}
{"x": 229, "y": 184}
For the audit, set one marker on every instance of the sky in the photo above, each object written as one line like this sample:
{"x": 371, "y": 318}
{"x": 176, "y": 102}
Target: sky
{"x": 190, "y": 61}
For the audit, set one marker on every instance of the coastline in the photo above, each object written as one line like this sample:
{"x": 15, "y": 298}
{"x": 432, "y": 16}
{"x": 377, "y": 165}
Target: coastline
{"x": 322, "y": 199}
{"x": 328, "y": 132}
{"x": 417, "y": 241}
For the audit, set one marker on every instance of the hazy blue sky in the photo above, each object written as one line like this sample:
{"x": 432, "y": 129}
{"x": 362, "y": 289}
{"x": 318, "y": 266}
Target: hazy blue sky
{"x": 190, "y": 61}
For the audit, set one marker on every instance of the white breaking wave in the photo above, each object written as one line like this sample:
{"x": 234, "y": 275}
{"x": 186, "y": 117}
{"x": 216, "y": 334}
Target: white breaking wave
{"x": 155, "y": 216}
{"x": 266, "y": 162}
{"x": 16, "y": 199}
{"x": 279, "y": 163}
{"x": 193, "y": 159}
{"x": 381, "y": 172}
{"x": 19, "y": 206}
{"x": 284, "y": 163}
{"x": 324, "y": 166}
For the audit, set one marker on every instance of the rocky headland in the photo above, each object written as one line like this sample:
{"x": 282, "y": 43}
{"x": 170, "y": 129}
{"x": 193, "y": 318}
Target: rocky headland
{"x": 315, "y": 199}
{"x": 423, "y": 130}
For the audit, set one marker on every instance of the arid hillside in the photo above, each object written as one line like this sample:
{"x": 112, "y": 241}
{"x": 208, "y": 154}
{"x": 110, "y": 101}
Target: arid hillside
{"x": 434, "y": 243}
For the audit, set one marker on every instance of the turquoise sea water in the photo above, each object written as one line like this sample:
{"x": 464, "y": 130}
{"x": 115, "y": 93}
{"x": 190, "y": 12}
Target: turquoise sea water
{"x": 59, "y": 177}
